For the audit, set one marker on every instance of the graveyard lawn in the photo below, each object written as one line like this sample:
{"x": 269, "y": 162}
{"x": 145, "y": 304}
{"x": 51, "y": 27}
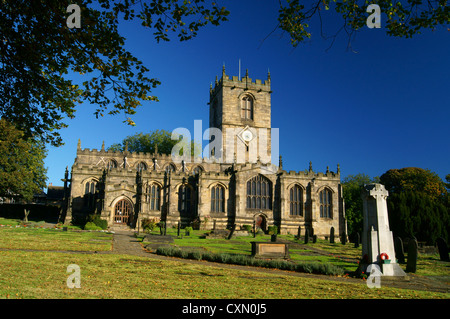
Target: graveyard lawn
{"x": 26, "y": 274}
{"x": 34, "y": 265}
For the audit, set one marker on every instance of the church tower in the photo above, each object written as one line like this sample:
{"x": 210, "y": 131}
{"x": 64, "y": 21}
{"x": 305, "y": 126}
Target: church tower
{"x": 241, "y": 110}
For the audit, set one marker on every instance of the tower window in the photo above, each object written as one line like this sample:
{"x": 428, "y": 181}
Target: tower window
{"x": 89, "y": 194}
{"x": 247, "y": 108}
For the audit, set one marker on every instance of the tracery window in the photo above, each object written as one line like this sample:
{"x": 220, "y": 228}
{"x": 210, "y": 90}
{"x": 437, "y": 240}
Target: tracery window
{"x": 184, "y": 199}
{"x": 218, "y": 199}
{"x": 259, "y": 193}
{"x": 89, "y": 194}
{"x": 111, "y": 164}
{"x": 325, "y": 200}
{"x": 296, "y": 201}
{"x": 154, "y": 192}
{"x": 141, "y": 166}
{"x": 247, "y": 108}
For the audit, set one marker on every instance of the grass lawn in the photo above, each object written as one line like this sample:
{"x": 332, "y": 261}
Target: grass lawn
{"x": 43, "y": 274}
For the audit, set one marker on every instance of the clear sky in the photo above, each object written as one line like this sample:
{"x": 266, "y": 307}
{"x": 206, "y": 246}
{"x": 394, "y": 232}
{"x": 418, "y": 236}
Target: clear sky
{"x": 384, "y": 104}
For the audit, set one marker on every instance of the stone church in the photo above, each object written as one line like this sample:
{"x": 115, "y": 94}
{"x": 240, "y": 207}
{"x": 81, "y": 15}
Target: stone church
{"x": 236, "y": 185}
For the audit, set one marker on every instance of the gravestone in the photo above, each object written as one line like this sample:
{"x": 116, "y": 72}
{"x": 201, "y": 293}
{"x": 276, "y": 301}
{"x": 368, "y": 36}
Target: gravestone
{"x": 306, "y": 235}
{"x": 233, "y": 228}
{"x": 411, "y": 265}
{"x": 377, "y": 239}
{"x": 332, "y": 235}
{"x": 399, "y": 252}
{"x": 299, "y": 232}
{"x": 443, "y": 249}
{"x": 178, "y": 229}
{"x": 357, "y": 240}
{"x": 344, "y": 238}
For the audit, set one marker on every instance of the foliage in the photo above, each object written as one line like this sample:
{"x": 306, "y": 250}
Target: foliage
{"x": 149, "y": 224}
{"x": 22, "y": 171}
{"x": 413, "y": 179}
{"x": 308, "y": 267}
{"x": 91, "y": 226}
{"x": 417, "y": 204}
{"x": 272, "y": 230}
{"x": 98, "y": 221}
{"x": 400, "y": 19}
{"x": 159, "y": 140}
{"x": 353, "y": 202}
{"x": 38, "y": 50}
{"x": 247, "y": 227}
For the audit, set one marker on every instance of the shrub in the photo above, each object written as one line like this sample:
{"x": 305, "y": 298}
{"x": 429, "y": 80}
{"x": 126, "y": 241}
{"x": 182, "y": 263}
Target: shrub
{"x": 247, "y": 227}
{"x": 98, "y": 221}
{"x": 273, "y": 230}
{"x": 91, "y": 226}
{"x": 149, "y": 224}
{"x": 307, "y": 267}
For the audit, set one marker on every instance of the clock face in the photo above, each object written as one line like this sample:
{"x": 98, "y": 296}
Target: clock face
{"x": 247, "y": 136}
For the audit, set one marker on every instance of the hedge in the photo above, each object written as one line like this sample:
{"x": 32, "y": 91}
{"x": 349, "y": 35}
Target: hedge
{"x": 307, "y": 267}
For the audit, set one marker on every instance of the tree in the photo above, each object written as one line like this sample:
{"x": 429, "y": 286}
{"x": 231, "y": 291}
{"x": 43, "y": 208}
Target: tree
{"x": 38, "y": 49}
{"x": 147, "y": 143}
{"x": 352, "y": 185}
{"x": 22, "y": 171}
{"x": 413, "y": 179}
{"x": 401, "y": 19}
{"x": 417, "y": 204}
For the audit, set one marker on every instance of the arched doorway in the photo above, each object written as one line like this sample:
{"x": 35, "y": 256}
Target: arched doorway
{"x": 260, "y": 222}
{"x": 123, "y": 212}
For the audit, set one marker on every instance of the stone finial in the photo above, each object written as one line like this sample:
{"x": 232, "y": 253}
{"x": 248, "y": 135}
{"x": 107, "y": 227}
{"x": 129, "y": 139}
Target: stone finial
{"x": 223, "y": 70}
{"x": 328, "y": 169}
{"x": 79, "y": 144}
{"x": 246, "y": 73}
{"x": 126, "y": 147}
{"x": 217, "y": 81}
{"x": 103, "y": 145}
{"x": 156, "y": 149}
{"x": 268, "y": 75}
{"x": 280, "y": 162}
{"x": 338, "y": 168}
{"x": 310, "y": 166}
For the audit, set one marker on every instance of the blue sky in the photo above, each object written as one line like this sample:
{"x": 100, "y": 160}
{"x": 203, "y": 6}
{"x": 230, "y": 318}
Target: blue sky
{"x": 383, "y": 105}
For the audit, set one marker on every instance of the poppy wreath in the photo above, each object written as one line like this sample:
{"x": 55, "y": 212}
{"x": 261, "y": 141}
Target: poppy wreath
{"x": 384, "y": 256}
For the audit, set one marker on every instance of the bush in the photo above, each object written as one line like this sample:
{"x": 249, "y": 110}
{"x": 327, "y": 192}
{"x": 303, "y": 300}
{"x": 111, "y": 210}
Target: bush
{"x": 96, "y": 220}
{"x": 149, "y": 224}
{"x": 273, "y": 230}
{"x": 91, "y": 226}
{"x": 247, "y": 227}
{"x": 307, "y": 267}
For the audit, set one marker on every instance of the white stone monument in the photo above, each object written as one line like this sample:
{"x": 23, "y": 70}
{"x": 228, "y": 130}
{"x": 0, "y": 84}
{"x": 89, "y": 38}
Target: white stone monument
{"x": 377, "y": 240}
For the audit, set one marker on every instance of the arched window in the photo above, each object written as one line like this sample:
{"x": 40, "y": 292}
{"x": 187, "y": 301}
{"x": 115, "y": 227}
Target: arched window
{"x": 184, "y": 199}
{"x": 111, "y": 164}
{"x": 296, "y": 201}
{"x": 141, "y": 166}
{"x": 259, "y": 193}
{"x": 325, "y": 200}
{"x": 218, "y": 199}
{"x": 170, "y": 168}
{"x": 89, "y": 194}
{"x": 247, "y": 108}
{"x": 154, "y": 192}
{"x": 197, "y": 170}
